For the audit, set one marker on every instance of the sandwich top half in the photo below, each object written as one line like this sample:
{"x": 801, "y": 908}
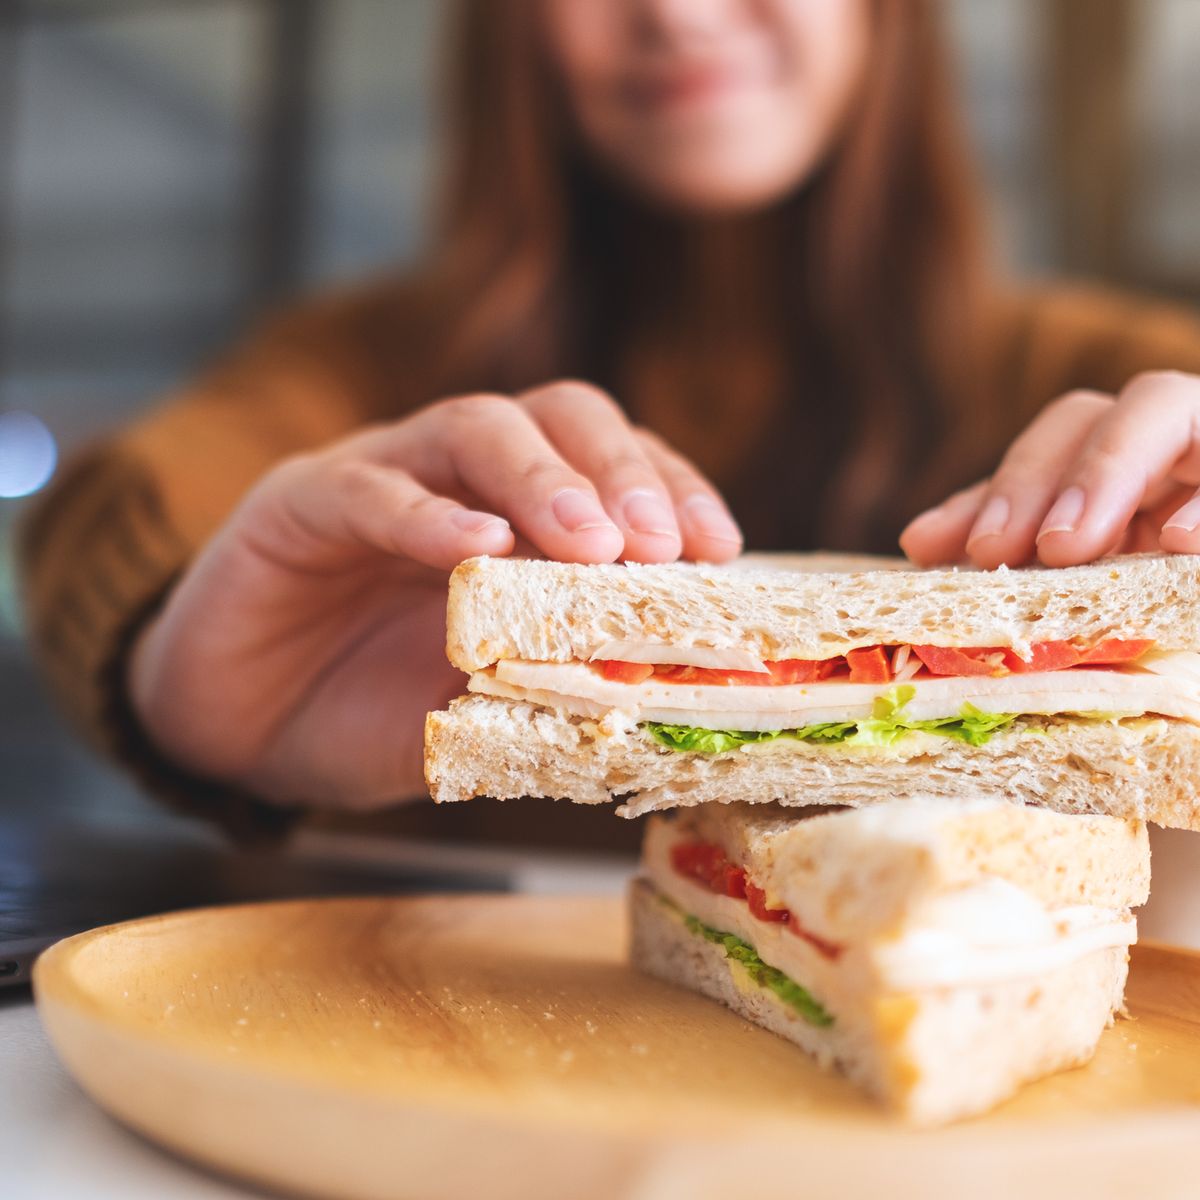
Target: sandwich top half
{"x": 831, "y": 656}
{"x": 713, "y": 661}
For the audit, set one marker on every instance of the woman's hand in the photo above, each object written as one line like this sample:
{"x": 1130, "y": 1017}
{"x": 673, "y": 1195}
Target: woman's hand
{"x": 1092, "y": 475}
{"x": 299, "y": 653}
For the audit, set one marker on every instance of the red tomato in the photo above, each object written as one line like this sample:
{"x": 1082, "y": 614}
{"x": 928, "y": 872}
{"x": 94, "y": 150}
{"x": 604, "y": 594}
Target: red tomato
{"x": 711, "y": 676}
{"x": 733, "y": 882}
{"x": 830, "y": 950}
{"x": 795, "y": 670}
{"x": 699, "y": 861}
{"x": 805, "y": 670}
{"x": 869, "y": 665}
{"x": 624, "y": 672}
{"x": 944, "y": 660}
{"x": 757, "y": 899}
{"x": 705, "y": 863}
{"x": 1043, "y": 656}
{"x": 1115, "y": 650}
{"x": 1057, "y": 656}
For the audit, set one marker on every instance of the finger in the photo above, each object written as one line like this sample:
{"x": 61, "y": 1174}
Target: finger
{"x": 1027, "y": 480}
{"x": 1149, "y": 434}
{"x": 498, "y": 451}
{"x": 340, "y": 507}
{"x": 1181, "y": 530}
{"x": 593, "y": 436}
{"x": 710, "y": 534}
{"x": 939, "y": 535}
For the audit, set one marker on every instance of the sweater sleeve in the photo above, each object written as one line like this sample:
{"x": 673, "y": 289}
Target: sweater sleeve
{"x": 1059, "y": 339}
{"x": 101, "y": 550}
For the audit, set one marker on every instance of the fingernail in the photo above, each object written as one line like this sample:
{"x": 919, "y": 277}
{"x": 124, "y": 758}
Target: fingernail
{"x": 646, "y": 512}
{"x": 470, "y": 521}
{"x": 1064, "y": 517}
{"x": 930, "y": 518}
{"x": 577, "y": 511}
{"x": 992, "y": 521}
{"x": 1187, "y": 518}
{"x": 710, "y": 520}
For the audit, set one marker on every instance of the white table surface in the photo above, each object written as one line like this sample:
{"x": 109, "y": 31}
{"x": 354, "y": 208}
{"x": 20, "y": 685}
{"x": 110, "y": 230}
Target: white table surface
{"x": 56, "y": 1145}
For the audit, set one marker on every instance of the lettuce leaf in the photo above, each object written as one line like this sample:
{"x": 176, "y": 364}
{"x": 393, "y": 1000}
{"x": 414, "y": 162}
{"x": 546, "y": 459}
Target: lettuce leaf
{"x": 886, "y": 725}
{"x": 784, "y": 986}
{"x": 706, "y": 741}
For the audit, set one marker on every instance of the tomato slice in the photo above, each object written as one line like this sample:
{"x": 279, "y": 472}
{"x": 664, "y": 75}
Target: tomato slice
{"x": 869, "y": 665}
{"x": 795, "y": 670}
{"x": 1116, "y": 650}
{"x": 1043, "y": 656}
{"x": 1058, "y": 656}
{"x": 624, "y": 672}
{"x": 945, "y": 660}
{"x": 830, "y": 950}
{"x": 732, "y": 882}
{"x": 702, "y": 861}
{"x": 757, "y": 899}
{"x": 706, "y": 864}
{"x": 712, "y": 676}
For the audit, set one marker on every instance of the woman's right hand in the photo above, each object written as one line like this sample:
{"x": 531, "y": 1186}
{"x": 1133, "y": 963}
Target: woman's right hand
{"x": 299, "y": 653}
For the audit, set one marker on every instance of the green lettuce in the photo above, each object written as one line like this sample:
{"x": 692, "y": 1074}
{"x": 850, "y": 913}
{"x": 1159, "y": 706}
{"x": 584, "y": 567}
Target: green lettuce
{"x": 784, "y": 986}
{"x": 886, "y": 724}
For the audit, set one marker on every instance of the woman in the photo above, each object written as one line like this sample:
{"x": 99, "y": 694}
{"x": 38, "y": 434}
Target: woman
{"x": 750, "y": 227}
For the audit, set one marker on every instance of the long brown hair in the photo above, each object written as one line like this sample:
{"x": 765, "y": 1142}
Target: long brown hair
{"x": 543, "y": 267}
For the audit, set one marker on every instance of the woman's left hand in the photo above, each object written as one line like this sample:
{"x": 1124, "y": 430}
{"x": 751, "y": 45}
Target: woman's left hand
{"x": 1091, "y": 475}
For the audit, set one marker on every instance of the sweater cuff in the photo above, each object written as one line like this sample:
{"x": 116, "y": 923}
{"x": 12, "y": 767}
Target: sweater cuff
{"x": 239, "y": 814}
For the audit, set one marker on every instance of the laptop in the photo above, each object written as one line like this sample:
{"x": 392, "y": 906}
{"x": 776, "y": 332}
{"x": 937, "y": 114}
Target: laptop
{"x": 61, "y": 874}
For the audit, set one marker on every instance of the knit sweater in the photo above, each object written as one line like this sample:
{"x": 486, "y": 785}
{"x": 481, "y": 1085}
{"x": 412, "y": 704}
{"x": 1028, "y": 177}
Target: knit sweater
{"x": 127, "y": 514}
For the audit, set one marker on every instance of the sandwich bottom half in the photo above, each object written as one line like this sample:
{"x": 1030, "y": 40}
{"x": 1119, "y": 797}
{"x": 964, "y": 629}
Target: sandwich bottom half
{"x": 933, "y": 1056}
{"x": 939, "y": 955}
{"x": 1141, "y": 768}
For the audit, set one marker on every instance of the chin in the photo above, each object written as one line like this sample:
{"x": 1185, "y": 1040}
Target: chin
{"x": 713, "y": 197}
{"x": 720, "y": 185}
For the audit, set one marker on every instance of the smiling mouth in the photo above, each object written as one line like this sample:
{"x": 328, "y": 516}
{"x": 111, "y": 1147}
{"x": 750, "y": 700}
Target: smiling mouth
{"x": 693, "y": 86}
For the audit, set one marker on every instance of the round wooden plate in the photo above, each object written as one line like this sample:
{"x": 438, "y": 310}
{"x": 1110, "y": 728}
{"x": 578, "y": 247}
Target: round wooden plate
{"x": 500, "y": 1046}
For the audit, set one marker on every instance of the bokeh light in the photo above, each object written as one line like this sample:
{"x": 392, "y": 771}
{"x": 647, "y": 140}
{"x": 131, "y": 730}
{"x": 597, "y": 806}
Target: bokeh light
{"x": 28, "y": 454}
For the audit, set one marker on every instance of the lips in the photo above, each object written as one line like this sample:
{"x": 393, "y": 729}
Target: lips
{"x": 694, "y": 84}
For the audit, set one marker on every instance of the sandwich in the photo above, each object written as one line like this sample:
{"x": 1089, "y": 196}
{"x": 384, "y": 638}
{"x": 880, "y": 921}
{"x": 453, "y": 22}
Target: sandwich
{"x": 662, "y": 686}
{"x": 940, "y": 953}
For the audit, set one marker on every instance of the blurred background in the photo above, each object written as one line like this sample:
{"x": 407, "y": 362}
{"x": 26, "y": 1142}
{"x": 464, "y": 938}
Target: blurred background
{"x": 171, "y": 168}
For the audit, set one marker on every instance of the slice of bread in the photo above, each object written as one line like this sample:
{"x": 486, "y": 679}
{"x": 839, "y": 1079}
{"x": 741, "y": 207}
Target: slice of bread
{"x": 932, "y": 1056}
{"x": 855, "y": 874}
{"x": 1144, "y": 768}
{"x": 561, "y": 612}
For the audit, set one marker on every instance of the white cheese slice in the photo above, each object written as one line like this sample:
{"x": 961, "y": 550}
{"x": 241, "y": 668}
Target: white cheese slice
{"x": 1166, "y": 688}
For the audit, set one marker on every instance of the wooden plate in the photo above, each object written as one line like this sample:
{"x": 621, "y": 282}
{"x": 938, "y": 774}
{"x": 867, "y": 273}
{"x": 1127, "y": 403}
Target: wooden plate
{"x": 500, "y": 1046}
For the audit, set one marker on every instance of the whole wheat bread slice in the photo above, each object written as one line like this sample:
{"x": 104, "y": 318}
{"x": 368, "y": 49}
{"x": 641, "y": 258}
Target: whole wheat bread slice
{"x": 1144, "y": 769}
{"x": 560, "y": 612}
